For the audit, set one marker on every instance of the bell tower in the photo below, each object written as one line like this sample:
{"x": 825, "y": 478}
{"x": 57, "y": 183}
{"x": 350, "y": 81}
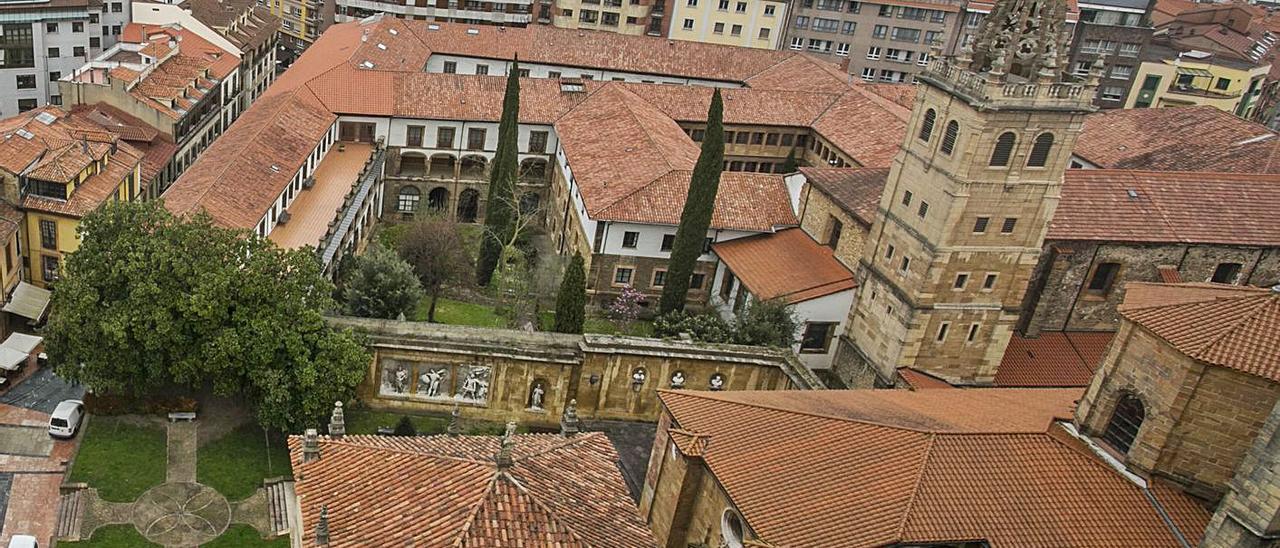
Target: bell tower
{"x": 968, "y": 200}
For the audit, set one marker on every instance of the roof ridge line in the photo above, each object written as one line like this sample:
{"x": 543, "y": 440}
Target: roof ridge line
{"x": 1156, "y": 206}
{"x": 698, "y": 393}
{"x": 915, "y": 488}
{"x": 745, "y": 81}
{"x": 538, "y": 502}
{"x": 401, "y": 451}
{"x": 1240, "y": 321}
{"x": 566, "y": 442}
{"x": 475, "y": 509}
{"x": 637, "y": 190}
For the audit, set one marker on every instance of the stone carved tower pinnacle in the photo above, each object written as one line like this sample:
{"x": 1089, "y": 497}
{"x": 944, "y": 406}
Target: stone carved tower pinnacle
{"x": 1025, "y": 38}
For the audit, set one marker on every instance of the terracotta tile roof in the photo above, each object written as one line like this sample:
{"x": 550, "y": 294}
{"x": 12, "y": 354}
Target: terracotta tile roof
{"x": 903, "y": 95}
{"x": 180, "y": 79}
{"x": 600, "y": 50}
{"x": 238, "y": 177}
{"x": 866, "y": 126}
{"x": 1169, "y": 274}
{"x": 1211, "y": 208}
{"x": 224, "y": 17}
{"x": 1228, "y": 326}
{"x": 767, "y": 265}
{"x": 95, "y": 190}
{"x": 443, "y": 491}
{"x": 1194, "y": 138}
{"x": 756, "y": 202}
{"x": 920, "y": 380}
{"x": 741, "y": 105}
{"x": 10, "y": 219}
{"x": 856, "y": 190}
{"x": 800, "y": 72}
{"x": 903, "y": 467}
{"x": 1054, "y": 359}
{"x": 157, "y": 148}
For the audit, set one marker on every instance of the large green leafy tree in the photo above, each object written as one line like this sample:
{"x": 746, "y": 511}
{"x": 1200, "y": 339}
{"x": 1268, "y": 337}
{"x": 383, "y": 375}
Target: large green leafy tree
{"x": 571, "y": 302}
{"x": 502, "y": 181}
{"x": 698, "y": 207}
{"x": 380, "y": 285}
{"x": 151, "y": 301}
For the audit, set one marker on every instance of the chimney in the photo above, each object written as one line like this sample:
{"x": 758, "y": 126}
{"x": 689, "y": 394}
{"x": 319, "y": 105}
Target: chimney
{"x": 322, "y": 527}
{"x": 310, "y": 445}
{"x": 503, "y": 459}
{"x": 453, "y": 429}
{"x": 569, "y": 420}
{"x": 337, "y": 424}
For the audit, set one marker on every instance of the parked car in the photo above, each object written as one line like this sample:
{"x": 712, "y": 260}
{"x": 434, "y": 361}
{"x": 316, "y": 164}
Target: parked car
{"x": 65, "y": 420}
{"x": 23, "y": 541}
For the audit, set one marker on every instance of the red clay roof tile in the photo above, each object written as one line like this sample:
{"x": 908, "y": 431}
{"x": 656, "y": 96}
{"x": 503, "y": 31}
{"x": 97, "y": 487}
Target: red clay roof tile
{"x": 769, "y": 265}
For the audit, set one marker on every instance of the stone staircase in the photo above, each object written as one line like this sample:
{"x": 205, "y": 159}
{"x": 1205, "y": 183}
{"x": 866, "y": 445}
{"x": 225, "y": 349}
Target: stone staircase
{"x": 279, "y": 501}
{"x": 71, "y": 507}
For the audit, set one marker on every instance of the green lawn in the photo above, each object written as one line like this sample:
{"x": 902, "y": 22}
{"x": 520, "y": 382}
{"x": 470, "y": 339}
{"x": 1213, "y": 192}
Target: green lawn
{"x": 367, "y": 421}
{"x": 449, "y": 311}
{"x": 243, "y": 536}
{"x": 113, "y": 536}
{"x": 120, "y": 460}
{"x": 236, "y": 463}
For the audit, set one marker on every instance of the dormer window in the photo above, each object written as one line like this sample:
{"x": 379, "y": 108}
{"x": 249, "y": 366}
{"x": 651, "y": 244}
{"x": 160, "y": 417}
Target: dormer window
{"x": 732, "y": 529}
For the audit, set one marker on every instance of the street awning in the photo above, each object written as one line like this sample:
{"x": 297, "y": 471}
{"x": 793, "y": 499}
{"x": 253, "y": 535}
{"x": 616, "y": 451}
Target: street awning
{"x": 10, "y": 359}
{"x": 28, "y": 301}
{"x": 22, "y": 342}
{"x": 1197, "y": 72}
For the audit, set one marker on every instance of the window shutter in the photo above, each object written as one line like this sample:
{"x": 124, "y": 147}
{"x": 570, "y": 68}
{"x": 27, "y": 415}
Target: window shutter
{"x": 926, "y": 126}
{"x": 1003, "y": 150}
{"x": 1040, "y": 150}
{"x": 949, "y": 137}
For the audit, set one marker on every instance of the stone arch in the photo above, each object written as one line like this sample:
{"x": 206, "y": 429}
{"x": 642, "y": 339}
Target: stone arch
{"x": 537, "y": 397}
{"x": 529, "y": 202}
{"x": 950, "y": 136}
{"x": 533, "y": 168}
{"x": 474, "y": 166}
{"x": 468, "y": 205}
{"x": 1040, "y": 150}
{"x": 438, "y": 199}
{"x": 412, "y": 164}
{"x": 1003, "y": 150}
{"x": 407, "y": 199}
{"x": 926, "y": 125}
{"x": 442, "y": 165}
{"x": 1126, "y": 420}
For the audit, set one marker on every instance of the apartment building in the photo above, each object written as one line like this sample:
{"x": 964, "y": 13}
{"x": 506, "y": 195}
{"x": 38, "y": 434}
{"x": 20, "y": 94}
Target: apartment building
{"x": 745, "y": 23}
{"x": 170, "y": 78}
{"x": 505, "y": 12}
{"x": 1219, "y": 55}
{"x": 649, "y": 17}
{"x": 1119, "y": 30}
{"x": 41, "y": 42}
{"x": 59, "y": 166}
{"x": 301, "y": 21}
{"x": 884, "y": 42}
{"x": 241, "y": 27}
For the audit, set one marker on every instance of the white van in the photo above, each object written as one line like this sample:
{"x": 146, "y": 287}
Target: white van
{"x": 65, "y": 420}
{"x": 23, "y": 541}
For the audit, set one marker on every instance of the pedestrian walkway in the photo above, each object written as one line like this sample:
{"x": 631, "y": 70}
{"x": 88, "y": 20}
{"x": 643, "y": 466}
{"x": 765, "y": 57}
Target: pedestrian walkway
{"x": 31, "y": 468}
{"x": 182, "y": 452}
{"x": 179, "y": 513}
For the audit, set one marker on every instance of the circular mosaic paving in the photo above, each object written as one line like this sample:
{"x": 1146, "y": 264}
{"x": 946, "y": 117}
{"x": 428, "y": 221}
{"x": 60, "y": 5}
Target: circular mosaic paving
{"x": 181, "y": 514}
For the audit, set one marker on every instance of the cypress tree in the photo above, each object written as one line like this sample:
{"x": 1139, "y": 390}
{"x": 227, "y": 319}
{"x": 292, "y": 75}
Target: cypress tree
{"x": 698, "y": 206}
{"x": 789, "y": 165}
{"x": 502, "y": 180}
{"x": 571, "y": 303}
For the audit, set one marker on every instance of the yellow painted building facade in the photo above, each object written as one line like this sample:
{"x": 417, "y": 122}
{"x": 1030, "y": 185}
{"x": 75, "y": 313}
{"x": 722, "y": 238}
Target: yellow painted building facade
{"x": 49, "y": 233}
{"x": 1233, "y": 87}
{"x": 623, "y": 17}
{"x": 745, "y": 23}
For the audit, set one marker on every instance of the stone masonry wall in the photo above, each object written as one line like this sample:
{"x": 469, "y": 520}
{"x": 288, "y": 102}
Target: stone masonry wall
{"x": 1059, "y": 298}
{"x": 494, "y": 373}
{"x": 817, "y": 211}
{"x": 1219, "y": 424}
{"x": 1252, "y": 508}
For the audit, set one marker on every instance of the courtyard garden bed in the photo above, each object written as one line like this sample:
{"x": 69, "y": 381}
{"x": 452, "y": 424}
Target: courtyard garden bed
{"x": 112, "y": 536}
{"x": 120, "y": 457}
{"x": 236, "y": 463}
{"x": 243, "y": 536}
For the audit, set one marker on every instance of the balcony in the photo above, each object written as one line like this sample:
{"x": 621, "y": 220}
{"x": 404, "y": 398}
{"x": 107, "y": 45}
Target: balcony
{"x": 1193, "y": 91}
{"x": 1009, "y": 90}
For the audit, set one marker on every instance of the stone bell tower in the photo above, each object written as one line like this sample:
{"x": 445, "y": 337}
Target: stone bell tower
{"x": 968, "y": 200}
